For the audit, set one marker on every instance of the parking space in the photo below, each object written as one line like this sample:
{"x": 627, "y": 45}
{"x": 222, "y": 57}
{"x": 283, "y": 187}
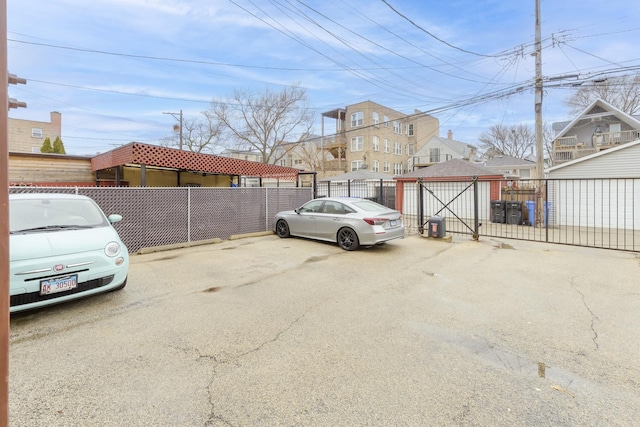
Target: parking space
{"x": 269, "y": 331}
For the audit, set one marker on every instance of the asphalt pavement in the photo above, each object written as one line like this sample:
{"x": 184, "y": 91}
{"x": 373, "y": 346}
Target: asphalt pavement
{"x": 263, "y": 331}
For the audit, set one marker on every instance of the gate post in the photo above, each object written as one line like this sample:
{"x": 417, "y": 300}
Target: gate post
{"x": 476, "y": 223}
{"x": 420, "y": 206}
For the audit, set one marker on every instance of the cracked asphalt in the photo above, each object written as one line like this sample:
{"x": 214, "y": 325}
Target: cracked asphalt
{"x": 291, "y": 332}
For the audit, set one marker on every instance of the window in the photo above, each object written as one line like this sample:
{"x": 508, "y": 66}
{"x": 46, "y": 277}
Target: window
{"x": 357, "y": 119}
{"x": 376, "y": 119}
{"x": 312, "y": 206}
{"x": 36, "y": 133}
{"x": 397, "y": 128}
{"x": 357, "y": 143}
{"x": 387, "y": 146}
{"x": 410, "y": 129}
{"x": 376, "y": 143}
{"x": 356, "y": 165}
{"x": 397, "y": 148}
{"x": 387, "y": 167}
{"x": 335, "y": 208}
{"x": 434, "y": 155}
{"x": 411, "y": 149}
{"x": 386, "y": 121}
{"x": 397, "y": 168}
{"x": 376, "y": 166}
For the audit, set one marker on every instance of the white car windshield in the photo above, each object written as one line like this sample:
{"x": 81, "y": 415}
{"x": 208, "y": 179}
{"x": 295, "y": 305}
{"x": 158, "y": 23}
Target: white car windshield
{"x": 53, "y": 214}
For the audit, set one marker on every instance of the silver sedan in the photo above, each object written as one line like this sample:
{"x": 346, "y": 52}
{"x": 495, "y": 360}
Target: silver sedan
{"x": 350, "y": 222}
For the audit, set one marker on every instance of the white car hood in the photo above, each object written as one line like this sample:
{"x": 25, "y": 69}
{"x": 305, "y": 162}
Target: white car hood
{"x": 63, "y": 242}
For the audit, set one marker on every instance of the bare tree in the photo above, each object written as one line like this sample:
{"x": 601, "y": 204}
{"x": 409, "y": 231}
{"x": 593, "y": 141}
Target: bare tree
{"x": 511, "y": 140}
{"x": 200, "y": 135}
{"x": 262, "y": 122}
{"x": 622, "y": 92}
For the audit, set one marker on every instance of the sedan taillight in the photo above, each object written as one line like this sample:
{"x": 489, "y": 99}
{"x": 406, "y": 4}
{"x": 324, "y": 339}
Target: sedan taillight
{"x": 375, "y": 221}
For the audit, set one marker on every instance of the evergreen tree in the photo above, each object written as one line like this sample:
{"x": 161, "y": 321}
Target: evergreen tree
{"x": 46, "y": 146}
{"x": 58, "y": 146}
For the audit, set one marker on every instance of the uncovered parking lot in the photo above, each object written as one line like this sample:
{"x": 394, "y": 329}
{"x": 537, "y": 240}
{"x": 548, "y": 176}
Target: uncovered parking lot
{"x": 269, "y": 331}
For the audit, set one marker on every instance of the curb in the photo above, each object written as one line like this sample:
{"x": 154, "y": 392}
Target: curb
{"x": 152, "y": 249}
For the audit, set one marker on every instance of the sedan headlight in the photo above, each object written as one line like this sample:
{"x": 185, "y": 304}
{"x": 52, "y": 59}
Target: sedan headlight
{"x": 112, "y": 249}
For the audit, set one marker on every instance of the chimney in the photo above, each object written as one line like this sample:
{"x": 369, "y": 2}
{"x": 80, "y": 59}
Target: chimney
{"x": 449, "y": 134}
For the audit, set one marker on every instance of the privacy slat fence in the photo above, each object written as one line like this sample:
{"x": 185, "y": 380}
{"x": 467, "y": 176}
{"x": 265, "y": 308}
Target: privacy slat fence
{"x": 163, "y": 216}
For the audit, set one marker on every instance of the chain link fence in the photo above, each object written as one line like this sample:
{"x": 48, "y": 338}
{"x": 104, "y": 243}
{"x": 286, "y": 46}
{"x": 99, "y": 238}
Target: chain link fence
{"x": 164, "y": 216}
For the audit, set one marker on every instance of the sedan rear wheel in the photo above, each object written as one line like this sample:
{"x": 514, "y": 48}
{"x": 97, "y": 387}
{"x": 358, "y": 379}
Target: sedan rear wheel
{"x": 348, "y": 239}
{"x": 282, "y": 228}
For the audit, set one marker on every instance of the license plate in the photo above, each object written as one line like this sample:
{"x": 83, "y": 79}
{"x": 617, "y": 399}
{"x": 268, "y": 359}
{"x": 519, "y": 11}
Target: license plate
{"x": 392, "y": 222}
{"x": 59, "y": 284}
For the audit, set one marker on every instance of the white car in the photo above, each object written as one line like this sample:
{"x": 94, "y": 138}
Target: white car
{"x": 350, "y": 222}
{"x": 62, "y": 247}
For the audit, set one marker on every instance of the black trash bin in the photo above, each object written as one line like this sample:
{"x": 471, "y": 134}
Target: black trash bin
{"x": 498, "y": 211}
{"x": 436, "y": 227}
{"x": 514, "y": 212}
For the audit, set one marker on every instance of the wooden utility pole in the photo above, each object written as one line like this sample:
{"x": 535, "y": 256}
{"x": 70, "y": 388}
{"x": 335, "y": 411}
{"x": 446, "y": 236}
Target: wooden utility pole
{"x": 4, "y": 221}
{"x": 540, "y": 187}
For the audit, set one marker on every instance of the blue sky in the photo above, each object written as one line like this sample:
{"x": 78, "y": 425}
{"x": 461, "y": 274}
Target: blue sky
{"x": 113, "y": 67}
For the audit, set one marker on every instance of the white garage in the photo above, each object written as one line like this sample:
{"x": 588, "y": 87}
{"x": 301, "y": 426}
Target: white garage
{"x": 601, "y": 190}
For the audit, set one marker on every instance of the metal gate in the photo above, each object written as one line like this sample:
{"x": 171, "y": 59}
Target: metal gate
{"x": 450, "y": 201}
{"x": 599, "y": 213}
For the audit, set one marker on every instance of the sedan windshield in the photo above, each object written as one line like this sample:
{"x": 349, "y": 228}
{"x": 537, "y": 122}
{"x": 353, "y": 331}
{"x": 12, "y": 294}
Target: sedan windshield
{"x": 53, "y": 214}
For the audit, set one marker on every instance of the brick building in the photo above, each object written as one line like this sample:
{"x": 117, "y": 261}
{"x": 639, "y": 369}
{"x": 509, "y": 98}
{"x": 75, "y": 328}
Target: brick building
{"x": 371, "y": 136}
{"x": 27, "y": 136}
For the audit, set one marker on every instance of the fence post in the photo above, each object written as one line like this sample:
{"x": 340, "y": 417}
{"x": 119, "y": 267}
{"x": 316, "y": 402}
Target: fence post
{"x": 420, "y": 206}
{"x": 476, "y": 223}
{"x": 348, "y": 188}
{"x": 188, "y": 214}
{"x": 266, "y": 213}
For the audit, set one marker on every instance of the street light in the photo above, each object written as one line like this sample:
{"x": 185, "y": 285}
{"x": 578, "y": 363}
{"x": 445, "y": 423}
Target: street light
{"x": 178, "y": 117}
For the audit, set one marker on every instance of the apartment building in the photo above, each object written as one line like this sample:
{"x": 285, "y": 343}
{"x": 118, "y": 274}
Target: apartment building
{"x": 27, "y": 136}
{"x": 374, "y": 137}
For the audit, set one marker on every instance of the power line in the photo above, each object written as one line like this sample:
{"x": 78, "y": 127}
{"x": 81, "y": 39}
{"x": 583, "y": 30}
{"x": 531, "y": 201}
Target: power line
{"x": 194, "y": 61}
{"x": 434, "y": 36}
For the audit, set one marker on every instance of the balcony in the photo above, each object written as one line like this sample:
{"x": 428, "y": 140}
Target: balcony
{"x": 424, "y": 161}
{"x": 569, "y": 148}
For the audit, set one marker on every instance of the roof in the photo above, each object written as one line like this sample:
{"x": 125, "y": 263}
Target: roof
{"x": 152, "y": 155}
{"x": 29, "y": 196}
{"x": 453, "y": 168}
{"x": 459, "y": 147}
{"x": 630, "y": 120}
{"x": 360, "y": 174}
{"x": 502, "y": 161}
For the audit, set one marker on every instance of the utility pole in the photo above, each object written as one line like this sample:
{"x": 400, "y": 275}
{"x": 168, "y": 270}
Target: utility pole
{"x": 5, "y": 104}
{"x": 4, "y": 221}
{"x": 540, "y": 188}
{"x": 178, "y": 117}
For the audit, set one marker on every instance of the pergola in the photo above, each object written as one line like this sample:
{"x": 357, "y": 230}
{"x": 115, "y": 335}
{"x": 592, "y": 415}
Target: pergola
{"x": 145, "y": 156}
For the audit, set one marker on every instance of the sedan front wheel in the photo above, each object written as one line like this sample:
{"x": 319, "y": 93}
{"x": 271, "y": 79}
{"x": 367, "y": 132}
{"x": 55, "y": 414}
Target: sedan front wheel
{"x": 282, "y": 228}
{"x": 348, "y": 239}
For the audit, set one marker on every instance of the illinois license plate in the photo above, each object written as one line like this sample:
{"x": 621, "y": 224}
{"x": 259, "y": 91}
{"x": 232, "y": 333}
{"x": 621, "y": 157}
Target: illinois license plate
{"x": 59, "y": 284}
